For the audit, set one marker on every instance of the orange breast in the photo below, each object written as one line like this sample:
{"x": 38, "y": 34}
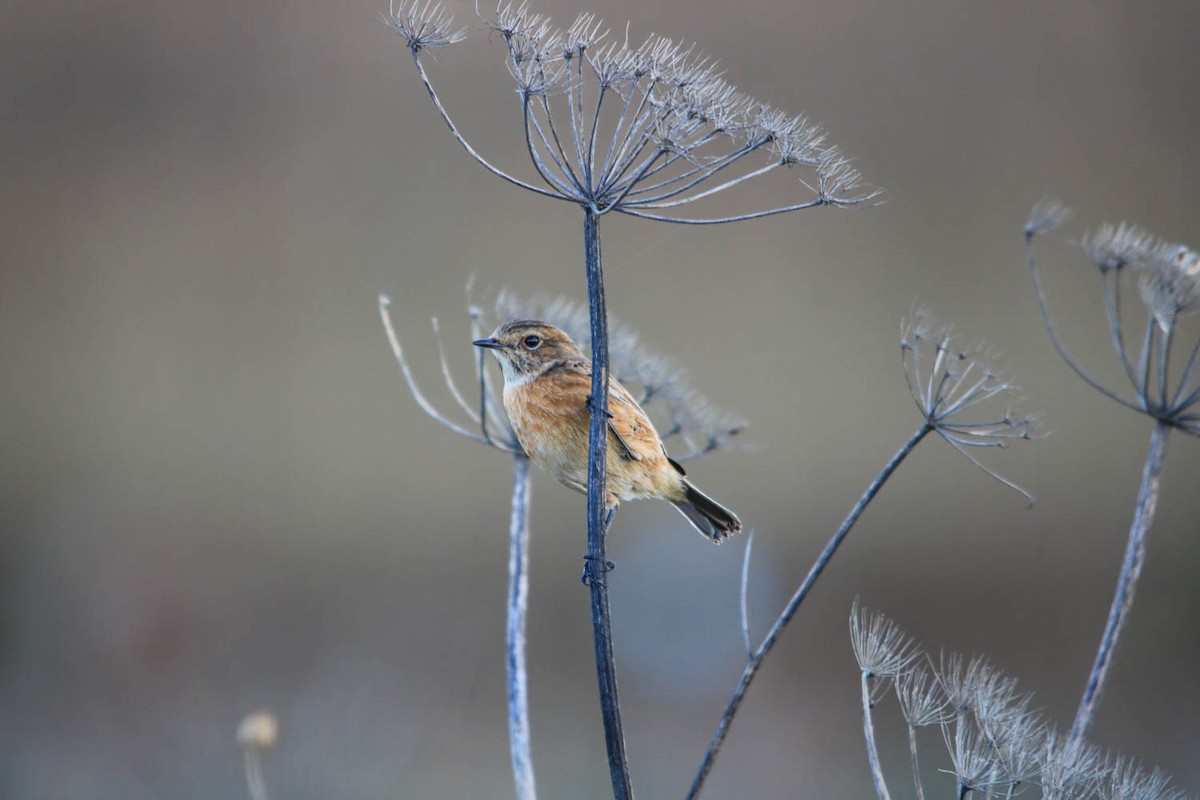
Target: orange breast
{"x": 550, "y": 417}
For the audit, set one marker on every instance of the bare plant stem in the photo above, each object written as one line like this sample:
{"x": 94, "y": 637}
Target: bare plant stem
{"x": 254, "y": 775}
{"x": 916, "y": 762}
{"x": 869, "y": 734}
{"x": 596, "y": 564}
{"x": 1131, "y": 570}
{"x": 756, "y": 659}
{"x": 518, "y": 593}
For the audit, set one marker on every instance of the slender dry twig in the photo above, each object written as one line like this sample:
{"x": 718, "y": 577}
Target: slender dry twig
{"x": 955, "y": 382}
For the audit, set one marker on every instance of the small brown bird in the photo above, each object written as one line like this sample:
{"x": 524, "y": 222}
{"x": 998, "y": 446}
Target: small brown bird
{"x": 547, "y": 383}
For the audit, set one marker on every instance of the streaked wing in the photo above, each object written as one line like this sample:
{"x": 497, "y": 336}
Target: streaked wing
{"x": 631, "y": 425}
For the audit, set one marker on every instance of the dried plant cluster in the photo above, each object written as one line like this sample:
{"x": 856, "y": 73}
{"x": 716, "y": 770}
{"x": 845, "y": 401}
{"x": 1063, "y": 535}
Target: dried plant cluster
{"x": 1167, "y": 276}
{"x": 992, "y": 741}
{"x": 644, "y": 130}
{"x": 655, "y": 131}
{"x": 948, "y": 383}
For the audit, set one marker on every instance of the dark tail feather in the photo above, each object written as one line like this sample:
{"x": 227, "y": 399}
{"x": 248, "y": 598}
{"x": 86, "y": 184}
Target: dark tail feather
{"x": 707, "y": 515}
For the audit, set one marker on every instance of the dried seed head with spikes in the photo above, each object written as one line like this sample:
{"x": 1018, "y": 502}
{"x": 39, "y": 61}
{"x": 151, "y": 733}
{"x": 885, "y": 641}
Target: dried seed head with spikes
{"x": 881, "y": 648}
{"x": 643, "y": 130}
{"x": 424, "y": 24}
{"x": 951, "y": 384}
{"x": 1168, "y": 278}
{"x": 994, "y": 743}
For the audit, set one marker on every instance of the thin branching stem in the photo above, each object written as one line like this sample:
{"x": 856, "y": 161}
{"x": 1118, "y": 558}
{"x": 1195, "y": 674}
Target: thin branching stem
{"x": 1054, "y": 337}
{"x": 619, "y": 198}
{"x": 700, "y": 164}
{"x": 743, "y": 606}
{"x": 591, "y": 148}
{"x": 958, "y": 445}
{"x": 869, "y": 734}
{"x": 575, "y": 93}
{"x": 551, "y": 179}
{"x": 1182, "y": 401}
{"x": 755, "y": 661}
{"x": 706, "y": 171}
{"x": 1112, "y": 308}
{"x": 518, "y": 594}
{"x": 720, "y": 187}
{"x": 467, "y": 145}
{"x": 562, "y": 159}
{"x": 1143, "y": 386}
{"x": 1131, "y": 569}
{"x": 626, "y": 101}
{"x": 483, "y": 403}
{"x": 614, "y": 171}
{"x": 1163, "y": 365}
{"x": 629, "y": 155}
{"x": 492, "y": 402}
{"x": 398, "y": 352}
{"x": 818, "y": 201}
{"x": 448, "y": 378}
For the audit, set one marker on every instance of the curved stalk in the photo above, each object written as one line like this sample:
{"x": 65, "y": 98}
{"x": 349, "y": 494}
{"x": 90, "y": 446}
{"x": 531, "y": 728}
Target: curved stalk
{"x": 869, "y": 734}
{"x": 1131, "y": 570}
{"x": 437, "y": 102}
{"x": 755, "y": 661}
{"x": 1053, "y": 331}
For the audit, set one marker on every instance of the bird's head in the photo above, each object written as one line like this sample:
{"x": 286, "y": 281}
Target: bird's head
{"x": 526, "y": 348}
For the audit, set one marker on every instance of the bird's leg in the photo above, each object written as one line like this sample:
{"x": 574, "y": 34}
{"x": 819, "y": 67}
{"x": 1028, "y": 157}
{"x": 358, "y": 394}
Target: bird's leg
{"x": 590, "y": 560}
{"x": 588, "y": 404}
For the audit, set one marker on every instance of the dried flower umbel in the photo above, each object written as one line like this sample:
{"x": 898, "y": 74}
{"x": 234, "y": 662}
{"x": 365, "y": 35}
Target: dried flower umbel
{"x": 1168, "y": 280}
{"x": 948, "y": 383}
{"x": 995, "y": 745}
{"x": 643, "y": 130}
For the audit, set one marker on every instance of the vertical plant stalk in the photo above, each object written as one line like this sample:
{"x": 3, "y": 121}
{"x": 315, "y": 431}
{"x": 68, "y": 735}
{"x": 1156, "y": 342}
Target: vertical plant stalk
{"x": 518, "y": 594}
{"x": 1131, "y": 570}
{"x": 255, "y": 782}
{"x": 756, "y": 659}
{"x": 916, "y": 762}
{"x": 596, "y": 564}
{"x": 869, "y": 734}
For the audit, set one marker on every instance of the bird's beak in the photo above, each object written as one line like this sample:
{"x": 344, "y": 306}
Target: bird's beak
{"x": 489, "y": 343}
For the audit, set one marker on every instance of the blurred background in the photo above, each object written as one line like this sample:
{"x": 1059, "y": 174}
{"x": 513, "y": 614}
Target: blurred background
{"x": 218, "y": 495}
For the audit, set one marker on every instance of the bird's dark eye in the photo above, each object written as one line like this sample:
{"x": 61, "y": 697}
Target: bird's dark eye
{"x": 532, "y": 342}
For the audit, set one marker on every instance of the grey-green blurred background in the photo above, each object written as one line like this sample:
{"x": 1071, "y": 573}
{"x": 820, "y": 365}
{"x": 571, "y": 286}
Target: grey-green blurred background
{"x": 218, "y": 496}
